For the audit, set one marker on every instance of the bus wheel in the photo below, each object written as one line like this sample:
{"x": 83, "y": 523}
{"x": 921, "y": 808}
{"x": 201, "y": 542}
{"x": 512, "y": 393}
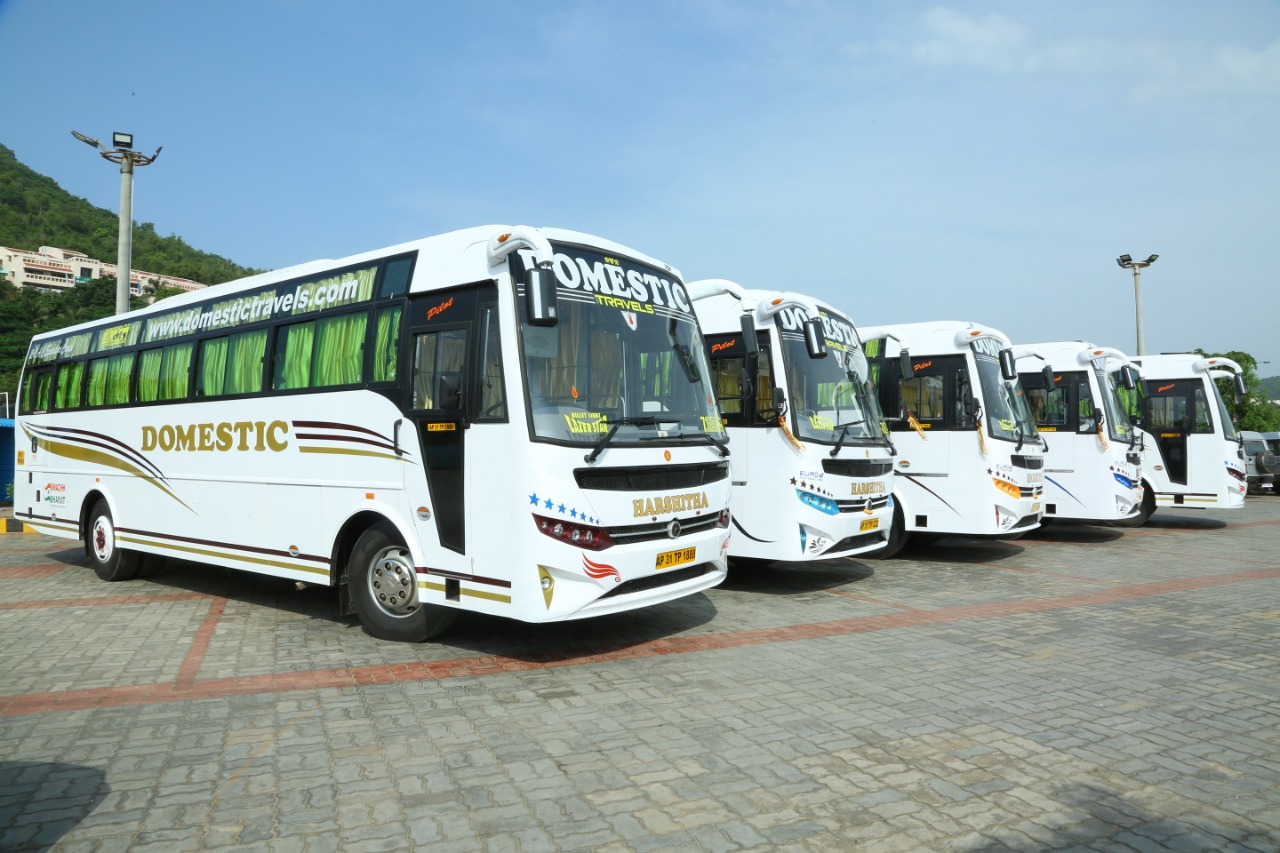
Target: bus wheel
{"x": 383, "y": 585}
{"x": 897, "y": 537}
{"x": 110, "y": 562}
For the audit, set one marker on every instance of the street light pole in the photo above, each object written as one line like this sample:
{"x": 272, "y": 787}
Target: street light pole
{"x": 1129, "y": 263}
{"x": 127, "y": 158}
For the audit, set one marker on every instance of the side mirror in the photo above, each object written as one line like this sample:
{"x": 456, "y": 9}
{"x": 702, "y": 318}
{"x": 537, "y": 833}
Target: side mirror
{"x": 970, "y": 406}
{"x": 540, "y": 296}
{"x": 449, "y": 391}
{"x": 1047, "y": 373}
{"x": 779, "y": 401}
{"x": 904, "y": 364}
{"x": 1128, "y": 377}
{"x": 749, "y": 334}
{"x": 815, "y": 338}
{"x": 1008, "y": 369}
{"x": 1241, "y": 390}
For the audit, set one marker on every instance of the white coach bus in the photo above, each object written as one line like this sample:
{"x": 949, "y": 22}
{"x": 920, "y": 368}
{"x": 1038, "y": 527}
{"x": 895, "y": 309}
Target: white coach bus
{"x": 510, "y": 420}
{"x": 811, "y": 465}
{"x": 970, "y": 460}
{"x": 1092, "y": 463}
{"x": 1192, "y": 457}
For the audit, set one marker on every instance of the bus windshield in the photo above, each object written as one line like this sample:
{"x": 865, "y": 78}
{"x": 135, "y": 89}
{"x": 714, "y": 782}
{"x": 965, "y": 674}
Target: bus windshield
{"x": 830, "y": 396}
{"x": 1228, "y": 428}
{"x": 1008, "y": 415}
{"x": 625, "y": 356}
{"x": 1119, "y": 424}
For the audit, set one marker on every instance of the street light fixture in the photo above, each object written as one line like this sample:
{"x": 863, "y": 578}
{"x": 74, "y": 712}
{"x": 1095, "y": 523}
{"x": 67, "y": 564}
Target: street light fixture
{"x": 1129, "y": 263}
{"x": 127, "y": 158}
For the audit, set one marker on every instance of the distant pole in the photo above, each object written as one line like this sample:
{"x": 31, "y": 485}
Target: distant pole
{"x": 1129, "y": 263}
{"x": 123, "y": 154}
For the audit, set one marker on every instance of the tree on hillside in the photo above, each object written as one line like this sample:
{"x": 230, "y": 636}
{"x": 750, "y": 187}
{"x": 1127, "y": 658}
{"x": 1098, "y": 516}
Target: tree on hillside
{"x": 26, "y": 312}
{"x": 35, "y": 212}
{"x": 1252, "y": 410}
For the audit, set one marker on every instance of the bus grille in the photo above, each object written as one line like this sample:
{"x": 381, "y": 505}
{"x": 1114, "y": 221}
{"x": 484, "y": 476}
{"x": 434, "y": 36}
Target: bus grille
{"x": 857, "y": 467}
{"x": 1031, "y": 491}
{"x": 649, "y": 478}
{"x": 661, "y": 579}
{"x": 1031, "y": 463}
{"x": 660, "y": 530}
{"x": 860, "y": 504}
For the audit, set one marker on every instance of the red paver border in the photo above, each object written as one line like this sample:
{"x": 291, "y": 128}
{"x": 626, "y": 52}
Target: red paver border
{"x": 187, "y": 688}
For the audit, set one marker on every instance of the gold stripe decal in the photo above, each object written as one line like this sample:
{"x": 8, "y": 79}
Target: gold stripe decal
{"x": 85, "y": 454}
{"x": 339, "y": 451}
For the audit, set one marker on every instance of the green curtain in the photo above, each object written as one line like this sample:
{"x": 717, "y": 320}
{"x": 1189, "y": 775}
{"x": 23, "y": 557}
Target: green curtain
{"x": 149, "y": 375}
{"x": 213, "y": 367}
{"x": 97, "y": 382}
{"x": 294, "y": 369}
{"x": 70, "y": 378}
{"x": 175, "y": 371}
{"x": 244, "y": 362}
{"x": 386, "y": 345}
{"x": 119, "y": 367}
{"x": 339, "y": 350}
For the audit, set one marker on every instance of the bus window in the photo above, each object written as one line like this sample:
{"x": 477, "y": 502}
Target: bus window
{"x": 493, "y": 394}
{"x": 175, "y": 371}
{"x": 231, "y": 364}
{"x": 339, "y": 350}
{"x": 70, "y": 380}
{"x": 437, "y": 369}
{"x": 386, "y": 344}
{"x": 149, "y": 375}
{"x": 35, "y": 397}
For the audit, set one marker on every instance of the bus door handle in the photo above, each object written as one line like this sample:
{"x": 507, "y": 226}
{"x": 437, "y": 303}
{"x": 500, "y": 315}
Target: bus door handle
{"x": 395, "y": 436}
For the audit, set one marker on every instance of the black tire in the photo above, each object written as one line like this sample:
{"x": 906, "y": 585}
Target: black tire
{"x": 383, "y": 585}
{"x": 897, "y": 537}
{"x": 110, "y": 562}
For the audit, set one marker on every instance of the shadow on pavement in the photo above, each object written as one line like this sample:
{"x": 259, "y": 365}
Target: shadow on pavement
{"x": 1097, "y": 819}
{"x": 46, "y": 800}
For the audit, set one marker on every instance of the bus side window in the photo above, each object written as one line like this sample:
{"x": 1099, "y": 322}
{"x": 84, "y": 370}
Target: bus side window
{"x": 35, "y": 397}
{"x": 438, "y": 360}
{"x": 726, "y": 372}
{"x": 231, "y": 364}
{"x": 1088, "y": 416}
{"x": 386, "y": 343}
{"x": 69, "y": 387}
{"x": 493, "y": 392}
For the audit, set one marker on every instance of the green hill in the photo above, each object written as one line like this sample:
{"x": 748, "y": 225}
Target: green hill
{"x": 35, "y": 212}
{"x": 1272, "y": 386}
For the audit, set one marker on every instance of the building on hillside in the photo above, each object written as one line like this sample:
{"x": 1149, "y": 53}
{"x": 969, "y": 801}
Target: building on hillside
{"x": 54, "y": 270}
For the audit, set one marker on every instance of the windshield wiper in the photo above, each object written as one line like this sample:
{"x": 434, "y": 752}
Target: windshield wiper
{"x": 648, "y": 420}
{"x": 722, "y": 446}
{"x": 844, "y": 431}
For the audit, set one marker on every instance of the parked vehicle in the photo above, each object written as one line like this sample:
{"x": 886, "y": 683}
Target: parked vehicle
{"x": 1092, "y": 466}
{"x": 812, "y": 465}
{"x": 1261, "y": 464}
{"x": 970, "y": 461}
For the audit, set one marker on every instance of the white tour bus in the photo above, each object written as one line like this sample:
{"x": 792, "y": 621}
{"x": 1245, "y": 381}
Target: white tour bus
{"x": 969, "y": 459}
{"x": 512, "y": 420}
{"x": 1092, "y": 464}
{"x": 1191, "y": 453}
{"x": 812, "y": 473}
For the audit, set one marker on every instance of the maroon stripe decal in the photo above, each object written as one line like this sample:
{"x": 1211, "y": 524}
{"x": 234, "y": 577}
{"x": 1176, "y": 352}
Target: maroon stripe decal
{"x": 445, "y": 573}
{"x": 271, "y": 552}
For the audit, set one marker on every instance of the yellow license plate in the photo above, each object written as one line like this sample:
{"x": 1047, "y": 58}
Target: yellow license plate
{"x": 667, "y": 559}
{"x": 870, "y": 524}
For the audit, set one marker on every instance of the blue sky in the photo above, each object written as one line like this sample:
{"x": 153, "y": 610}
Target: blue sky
{"x": 905, "y": 161}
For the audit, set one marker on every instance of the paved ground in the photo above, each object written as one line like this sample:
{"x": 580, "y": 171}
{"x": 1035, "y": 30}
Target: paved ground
{"x": 1081, "y": 688}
